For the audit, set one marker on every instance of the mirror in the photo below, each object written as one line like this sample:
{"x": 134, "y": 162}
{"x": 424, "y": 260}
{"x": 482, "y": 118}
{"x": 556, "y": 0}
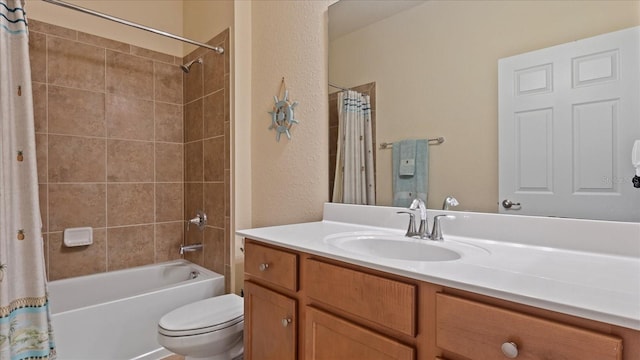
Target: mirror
{"x": 434, "y": 64}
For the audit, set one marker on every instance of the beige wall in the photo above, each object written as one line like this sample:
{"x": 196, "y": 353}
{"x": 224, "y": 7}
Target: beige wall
{"x": 289, "y": 178}
{"x": 203, "y": 19}
{"x": 166, "y": 15}
{"x": 441, "y": 80}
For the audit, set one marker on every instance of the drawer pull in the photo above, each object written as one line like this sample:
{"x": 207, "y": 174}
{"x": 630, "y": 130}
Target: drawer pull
{"x": 286, "y": 322}
{"x": 510, "y": 350}
{"x": 263, "y": 267}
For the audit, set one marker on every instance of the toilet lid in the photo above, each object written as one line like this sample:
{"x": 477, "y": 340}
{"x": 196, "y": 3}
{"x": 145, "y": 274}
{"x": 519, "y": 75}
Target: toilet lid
{"x": 203, "y": 316}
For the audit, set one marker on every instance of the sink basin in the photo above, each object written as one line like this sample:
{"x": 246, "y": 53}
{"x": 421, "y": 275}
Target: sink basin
{"x": 393, "y": 247}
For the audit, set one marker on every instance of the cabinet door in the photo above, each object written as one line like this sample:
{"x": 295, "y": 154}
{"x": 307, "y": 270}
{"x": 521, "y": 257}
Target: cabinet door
{"x": 331, "y": 338}
{"x": 270, "y": 324}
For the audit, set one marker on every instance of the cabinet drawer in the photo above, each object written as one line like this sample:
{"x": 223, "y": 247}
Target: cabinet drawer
{"x": 275, "y": 266}
{"x": 384, "y": 301}
{"x": 478, "y": 331}
{"x": 329, "y": 338}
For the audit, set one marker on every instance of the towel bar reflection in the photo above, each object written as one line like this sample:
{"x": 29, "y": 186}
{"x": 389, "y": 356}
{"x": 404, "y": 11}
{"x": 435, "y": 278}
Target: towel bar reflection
{"x": 434, "y": 141}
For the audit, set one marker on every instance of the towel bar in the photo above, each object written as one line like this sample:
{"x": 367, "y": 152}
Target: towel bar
{"x": 434, "y": 141}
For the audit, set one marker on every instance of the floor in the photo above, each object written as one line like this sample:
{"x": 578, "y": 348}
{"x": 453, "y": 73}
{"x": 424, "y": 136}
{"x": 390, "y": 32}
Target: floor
{"x": 174, "y": 357}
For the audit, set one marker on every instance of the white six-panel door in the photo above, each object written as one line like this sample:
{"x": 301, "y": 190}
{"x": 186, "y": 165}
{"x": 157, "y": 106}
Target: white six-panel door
{"x": 568, "y": 117}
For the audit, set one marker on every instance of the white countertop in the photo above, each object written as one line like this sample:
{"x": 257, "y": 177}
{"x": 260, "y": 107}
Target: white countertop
{"x": 582, "y": 278}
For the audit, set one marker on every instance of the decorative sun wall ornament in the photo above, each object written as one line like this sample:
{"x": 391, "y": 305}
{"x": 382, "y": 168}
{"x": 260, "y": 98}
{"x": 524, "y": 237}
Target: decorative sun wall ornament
{"x": 282, "y": 116}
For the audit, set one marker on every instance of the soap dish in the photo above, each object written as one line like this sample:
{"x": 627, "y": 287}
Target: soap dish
{"x": 80, "y": 236}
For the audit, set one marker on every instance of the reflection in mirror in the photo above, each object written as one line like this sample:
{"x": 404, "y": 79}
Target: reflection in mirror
{"x": 352, "y": 121}
{"x": 435, "y": 66}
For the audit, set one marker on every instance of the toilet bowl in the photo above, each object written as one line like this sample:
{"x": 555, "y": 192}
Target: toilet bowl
{"x": 208, "y": 329}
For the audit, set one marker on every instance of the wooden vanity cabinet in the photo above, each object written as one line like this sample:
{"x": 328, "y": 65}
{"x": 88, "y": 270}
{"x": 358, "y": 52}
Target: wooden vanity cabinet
{"x": 332, "y": 310}
{"x": 322, "y": 309}
{"x": 270, "y": 303}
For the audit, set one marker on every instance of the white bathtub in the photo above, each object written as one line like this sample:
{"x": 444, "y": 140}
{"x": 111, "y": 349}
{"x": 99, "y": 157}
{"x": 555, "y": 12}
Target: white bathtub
{"x": 114, "y": 315}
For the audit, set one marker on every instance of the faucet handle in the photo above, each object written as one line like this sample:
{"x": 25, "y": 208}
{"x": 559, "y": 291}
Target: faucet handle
{"x": 411, "y": 229}
{"x": 436, "y": 232}
{"x": 200, "y": 220}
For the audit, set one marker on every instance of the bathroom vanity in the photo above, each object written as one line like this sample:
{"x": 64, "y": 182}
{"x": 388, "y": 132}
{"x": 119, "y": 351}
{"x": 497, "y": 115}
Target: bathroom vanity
{"x": 340, "y": 290}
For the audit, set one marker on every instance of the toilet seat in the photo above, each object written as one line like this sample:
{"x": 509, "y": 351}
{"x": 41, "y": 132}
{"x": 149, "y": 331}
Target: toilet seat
{"x": 204, "y": 316}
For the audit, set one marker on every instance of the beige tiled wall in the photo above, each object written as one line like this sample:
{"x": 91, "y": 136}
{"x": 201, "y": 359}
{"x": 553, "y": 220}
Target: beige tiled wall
{"x": 131, "y": 146}
{"x": 109, "y": 137}
{"x": 207, "y": 158}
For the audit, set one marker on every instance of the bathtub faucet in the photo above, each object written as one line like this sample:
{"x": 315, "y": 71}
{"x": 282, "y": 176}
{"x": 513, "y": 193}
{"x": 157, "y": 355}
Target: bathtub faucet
{"x": 190, "y": 248}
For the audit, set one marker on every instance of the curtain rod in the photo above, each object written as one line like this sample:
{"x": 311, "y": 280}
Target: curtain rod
{"x": 436, "y": 141}
{"x": 217, "y": 49}
{"x": 338, "y": 87}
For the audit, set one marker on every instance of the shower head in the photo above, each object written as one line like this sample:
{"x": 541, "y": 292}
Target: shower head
{"x": 187, "y": 67}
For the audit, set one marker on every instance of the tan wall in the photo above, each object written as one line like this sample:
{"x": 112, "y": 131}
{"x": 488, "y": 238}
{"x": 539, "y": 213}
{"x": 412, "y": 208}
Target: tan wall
{"x": 203, "y": 19}
{"x": 289, "y": 178}
{"x": 241, "y": 133}
{"x": 441, "y": 80}
{"x": 164, "y": 15}
{"x": 108, "y": 121}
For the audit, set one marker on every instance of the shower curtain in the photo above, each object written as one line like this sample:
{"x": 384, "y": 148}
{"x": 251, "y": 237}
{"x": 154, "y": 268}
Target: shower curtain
{"x": 355, "y": 178}
{"x": 25, "y": 330}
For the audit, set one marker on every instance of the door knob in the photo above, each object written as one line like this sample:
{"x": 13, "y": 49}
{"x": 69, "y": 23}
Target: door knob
{"x": 507, "y": 204}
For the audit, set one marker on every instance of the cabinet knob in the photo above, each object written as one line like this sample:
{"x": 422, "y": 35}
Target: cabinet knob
{"x": 286, "y": 322}
{"x": 510, "y": 349}
{"x": 263, "y": 267}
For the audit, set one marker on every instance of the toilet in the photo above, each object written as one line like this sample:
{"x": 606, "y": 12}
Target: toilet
{"x": 209, "y": 329}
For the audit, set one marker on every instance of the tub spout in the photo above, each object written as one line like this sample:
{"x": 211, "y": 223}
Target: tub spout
{"x": 190, "y": 248}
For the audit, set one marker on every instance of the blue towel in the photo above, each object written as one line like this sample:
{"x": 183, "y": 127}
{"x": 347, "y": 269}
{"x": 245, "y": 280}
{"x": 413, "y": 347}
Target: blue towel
{"x": 407, "y": 165}
{"x": 406, "y": 188}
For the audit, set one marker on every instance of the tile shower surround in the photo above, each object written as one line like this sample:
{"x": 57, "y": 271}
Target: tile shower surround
{"x": 111, "y": 151}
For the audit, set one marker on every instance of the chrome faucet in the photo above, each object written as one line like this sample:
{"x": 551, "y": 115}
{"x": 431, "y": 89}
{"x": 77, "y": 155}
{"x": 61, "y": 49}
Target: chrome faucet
{"x": 449, "y": 201}
{"x": 190, "y": 248}
{"x": 423, "y": 230}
